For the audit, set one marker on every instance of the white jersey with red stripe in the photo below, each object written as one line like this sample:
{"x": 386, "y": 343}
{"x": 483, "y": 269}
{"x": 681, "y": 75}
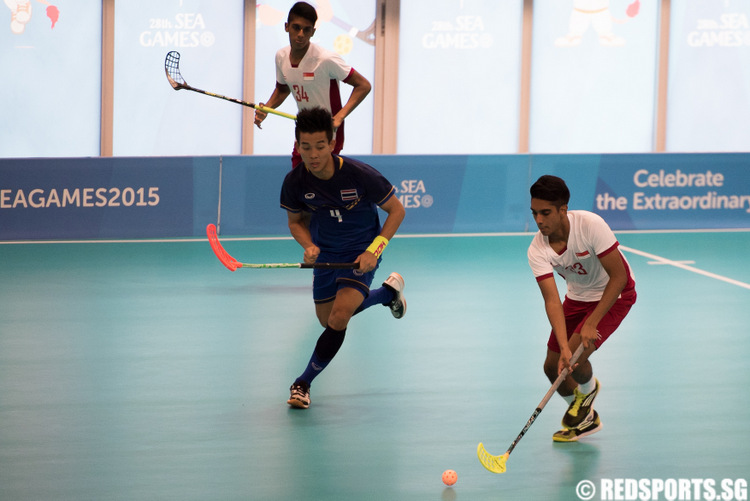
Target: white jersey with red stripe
{"x": 315, "y": 80}
{"x": 590, "y": 238}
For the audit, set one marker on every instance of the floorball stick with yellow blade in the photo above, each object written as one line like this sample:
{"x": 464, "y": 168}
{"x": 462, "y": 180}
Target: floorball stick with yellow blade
{"x": 172, "y": 69}
{"x": 496, "y": 464}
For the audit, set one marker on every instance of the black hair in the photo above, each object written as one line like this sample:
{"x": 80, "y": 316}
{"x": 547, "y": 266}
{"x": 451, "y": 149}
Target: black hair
{"x": 312, "y": 120}
{"x": 552, "y": 189}
{"x": 303, "y": 10}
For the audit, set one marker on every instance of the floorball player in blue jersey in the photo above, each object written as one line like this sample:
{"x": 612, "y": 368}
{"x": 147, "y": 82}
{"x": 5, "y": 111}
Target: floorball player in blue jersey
{"x": 332, "y": 206}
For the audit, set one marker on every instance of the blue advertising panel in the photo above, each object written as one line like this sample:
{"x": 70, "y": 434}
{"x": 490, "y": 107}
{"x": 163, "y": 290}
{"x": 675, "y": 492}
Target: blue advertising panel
{"x": 429, "y": 187}
{"x": 251, "y": 186}
{"x": 179, "y": 196}
{"x": 674, "y": 191}
{"x": 666, "y": 191}
{"x": 105, "y": 198}
{"x": 579, "y": 172}
{"x": 494, "y": 197}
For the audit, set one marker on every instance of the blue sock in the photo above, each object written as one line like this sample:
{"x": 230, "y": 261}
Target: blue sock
{"x": 328, "y": 345}
{"x": 382, "y": 295}
{"x": 314, "y": 367}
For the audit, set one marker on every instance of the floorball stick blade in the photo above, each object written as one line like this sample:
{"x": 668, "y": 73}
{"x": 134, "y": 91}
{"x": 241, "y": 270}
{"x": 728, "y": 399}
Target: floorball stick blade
{"x": 223, "y": 256}
{"x": 495, "y": 464}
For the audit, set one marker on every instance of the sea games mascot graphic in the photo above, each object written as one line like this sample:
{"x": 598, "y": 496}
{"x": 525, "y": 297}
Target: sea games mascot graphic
{"x": 21, "y": 14}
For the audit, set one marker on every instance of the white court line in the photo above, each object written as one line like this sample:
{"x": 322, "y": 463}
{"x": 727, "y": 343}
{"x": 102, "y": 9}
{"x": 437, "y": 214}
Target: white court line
{"x": 679, "y": 264}
{"x": 658, "y": 259}
{"x": 661, "y": 262}
{"x": 245, "y": 239}
{"x": 526, "y": 234}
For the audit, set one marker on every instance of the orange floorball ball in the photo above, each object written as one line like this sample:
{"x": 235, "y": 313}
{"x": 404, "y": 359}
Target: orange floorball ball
{"x": 449, "y": 477}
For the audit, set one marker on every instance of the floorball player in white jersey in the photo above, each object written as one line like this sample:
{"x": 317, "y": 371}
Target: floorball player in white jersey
{"x": 311, "y": 74}
{"x": 580, "y": 247}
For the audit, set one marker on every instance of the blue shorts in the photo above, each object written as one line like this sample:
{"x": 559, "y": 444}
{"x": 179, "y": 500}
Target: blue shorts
{"x": 327, "y": 282}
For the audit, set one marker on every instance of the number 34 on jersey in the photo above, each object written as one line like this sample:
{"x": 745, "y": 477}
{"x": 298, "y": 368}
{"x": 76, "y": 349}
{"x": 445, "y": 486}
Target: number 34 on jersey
{"x": 300, "y": 94}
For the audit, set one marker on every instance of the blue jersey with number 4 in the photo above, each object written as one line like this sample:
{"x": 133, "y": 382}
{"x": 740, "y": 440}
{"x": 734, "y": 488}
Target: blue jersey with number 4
{"x": 344, "y": 209}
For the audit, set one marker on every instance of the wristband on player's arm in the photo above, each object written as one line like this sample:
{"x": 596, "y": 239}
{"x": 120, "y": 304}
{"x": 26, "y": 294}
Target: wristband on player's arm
{"x": 378, "y": 246}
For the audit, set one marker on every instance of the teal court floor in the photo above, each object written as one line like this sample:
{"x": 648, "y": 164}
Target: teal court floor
{"x": 146, "y": 370}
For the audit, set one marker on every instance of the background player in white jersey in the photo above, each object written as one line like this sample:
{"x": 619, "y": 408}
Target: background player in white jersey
{"x": 312, "y": 74}
{"x": 332, "y": 208}
{"x": 579, "y": 246}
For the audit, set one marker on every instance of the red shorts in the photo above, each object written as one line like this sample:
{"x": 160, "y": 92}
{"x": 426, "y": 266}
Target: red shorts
{"x": 576, "y": 313}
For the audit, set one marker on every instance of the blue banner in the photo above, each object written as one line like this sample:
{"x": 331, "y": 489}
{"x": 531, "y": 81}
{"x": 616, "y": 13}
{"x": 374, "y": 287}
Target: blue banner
{"x": 250, "y": 195}
{"x": 674, "y": 191}
{"x": 429, "y": 187}
{"x": 103, "y": 197}
{"x": 177, "y": 197}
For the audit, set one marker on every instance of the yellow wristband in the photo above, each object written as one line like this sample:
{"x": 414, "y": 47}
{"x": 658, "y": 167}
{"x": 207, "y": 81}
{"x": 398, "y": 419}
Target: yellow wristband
{"x": 378, "y": 245}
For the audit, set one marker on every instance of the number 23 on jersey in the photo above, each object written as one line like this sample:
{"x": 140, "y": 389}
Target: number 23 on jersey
{"x": 577, "y": 268}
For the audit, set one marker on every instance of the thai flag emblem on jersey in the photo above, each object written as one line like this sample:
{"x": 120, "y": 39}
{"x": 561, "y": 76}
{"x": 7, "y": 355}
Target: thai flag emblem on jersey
{"x": 347, "y": 195}
{"x": 308, "y": 76}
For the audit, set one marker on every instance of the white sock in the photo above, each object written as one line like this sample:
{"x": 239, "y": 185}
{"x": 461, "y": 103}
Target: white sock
{"x": 569, "y": 399}
{"x": 588, "y": 387}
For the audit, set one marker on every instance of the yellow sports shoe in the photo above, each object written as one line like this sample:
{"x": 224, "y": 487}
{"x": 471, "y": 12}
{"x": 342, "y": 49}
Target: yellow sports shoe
{"x": 580, "y": 408}
{"x": 589, "y": 426}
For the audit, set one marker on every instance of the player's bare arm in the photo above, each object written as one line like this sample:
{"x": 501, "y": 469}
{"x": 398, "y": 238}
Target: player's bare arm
{"x": 299, "y": 227}
{"x": 618, "y": 279}
{"x": 361, "y": 88}
{"x": 279, "y": 95}
{"x": 396, "y": 212}
{"x": 553, "y": 307}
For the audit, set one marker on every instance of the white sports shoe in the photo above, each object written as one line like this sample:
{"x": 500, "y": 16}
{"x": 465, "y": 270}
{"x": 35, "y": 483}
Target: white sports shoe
{"x": 395, "y": 282}
{"x": 299, "y": 395}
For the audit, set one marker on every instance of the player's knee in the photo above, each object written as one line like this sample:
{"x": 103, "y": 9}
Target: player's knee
{"x": 583, "y": 372}
{"x": 550, "y": 368}
{"x": 338, "y": 318}
{"x": 338, "y": 322}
